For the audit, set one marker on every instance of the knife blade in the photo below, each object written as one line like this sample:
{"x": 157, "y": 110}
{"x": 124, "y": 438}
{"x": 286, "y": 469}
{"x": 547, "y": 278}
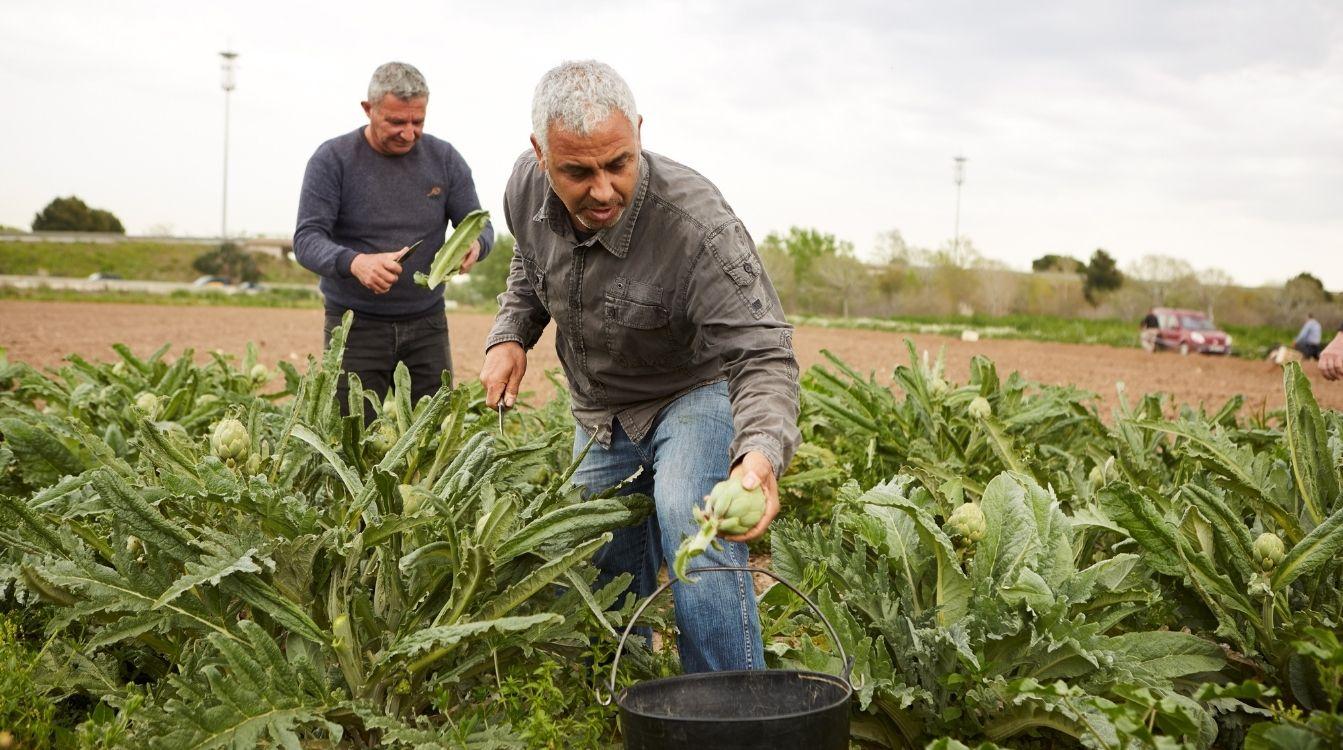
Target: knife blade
{"x": 408, "y": 251}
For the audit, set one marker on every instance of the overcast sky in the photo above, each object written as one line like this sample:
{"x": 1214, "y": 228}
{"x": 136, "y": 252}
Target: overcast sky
{"x": 1211, "y": 131}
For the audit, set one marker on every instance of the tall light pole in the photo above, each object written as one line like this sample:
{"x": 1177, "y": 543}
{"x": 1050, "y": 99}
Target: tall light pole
{"x": 958, "y": 174}
{"x": 227, "y": 83}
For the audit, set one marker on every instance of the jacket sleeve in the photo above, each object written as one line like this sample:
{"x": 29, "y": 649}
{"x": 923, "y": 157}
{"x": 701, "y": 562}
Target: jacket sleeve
{"x": 736, "y": 313}
{"x": 522, "y": 316}
{"x": 318, "y": 207}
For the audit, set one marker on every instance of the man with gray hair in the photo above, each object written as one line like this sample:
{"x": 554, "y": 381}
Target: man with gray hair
{"x": 368, "y": 197}
{"x": 671, "y": 336}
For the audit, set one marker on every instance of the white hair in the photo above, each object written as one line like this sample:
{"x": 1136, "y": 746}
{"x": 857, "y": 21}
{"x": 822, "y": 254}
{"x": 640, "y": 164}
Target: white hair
{"x": 577, "y": 96}
{"x": 399, "y": 79}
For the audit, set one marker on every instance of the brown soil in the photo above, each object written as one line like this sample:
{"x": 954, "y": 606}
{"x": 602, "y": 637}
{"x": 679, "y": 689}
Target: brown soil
{"x": 42, "y": 333}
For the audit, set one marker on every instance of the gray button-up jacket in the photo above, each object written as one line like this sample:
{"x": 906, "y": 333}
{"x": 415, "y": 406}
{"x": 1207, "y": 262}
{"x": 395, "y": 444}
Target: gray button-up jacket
{"x": 670, "y": 298}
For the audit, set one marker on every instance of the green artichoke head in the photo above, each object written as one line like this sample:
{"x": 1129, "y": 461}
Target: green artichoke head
{"x": 738, "y": 508}
{"x": 1268, "y": 551}
{"x": 966, "y": 524}
{"x": 230, "y": 441}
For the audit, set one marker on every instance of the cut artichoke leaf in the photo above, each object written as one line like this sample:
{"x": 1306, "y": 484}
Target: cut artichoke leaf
{"x": 448, "y": 260}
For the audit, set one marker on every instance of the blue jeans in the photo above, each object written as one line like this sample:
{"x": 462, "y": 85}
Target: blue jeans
{"x": 683, "y": 455}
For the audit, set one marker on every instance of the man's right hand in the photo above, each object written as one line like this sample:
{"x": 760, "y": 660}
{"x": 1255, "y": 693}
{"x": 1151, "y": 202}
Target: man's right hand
{"x": 1331, "y": 359}
{"x": 502, "y": 373}
{"x": 377, "y": 271}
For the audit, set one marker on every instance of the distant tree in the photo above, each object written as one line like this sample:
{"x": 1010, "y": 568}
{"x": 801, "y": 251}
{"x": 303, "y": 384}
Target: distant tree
{"x": 230, "y": 261}
{"x": 998, "y": 286}
{"x": 73, "y": 215}
{"x": 1052, "y": 262}
{"x": 891, "y": 248}
{"x": 847, "y": 278}
{"x": 7, "y": 229}
{"x": 1307, "y": 285}
{"x": 1102, "y": 274}
{"x": 805, "y": 249}
{"x": 1212, "y": 284}
{"x": 1163, "y": 274}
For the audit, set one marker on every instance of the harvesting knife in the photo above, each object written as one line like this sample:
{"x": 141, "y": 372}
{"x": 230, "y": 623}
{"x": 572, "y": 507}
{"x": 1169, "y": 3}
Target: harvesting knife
{"x": 408, "y": 251}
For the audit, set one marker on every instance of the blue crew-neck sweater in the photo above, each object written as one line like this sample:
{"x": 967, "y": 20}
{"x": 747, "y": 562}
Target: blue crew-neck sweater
{"x": 356, "y": 200}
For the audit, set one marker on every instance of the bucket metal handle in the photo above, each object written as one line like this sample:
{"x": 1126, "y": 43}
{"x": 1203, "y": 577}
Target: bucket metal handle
{"x": 847, "y": 660}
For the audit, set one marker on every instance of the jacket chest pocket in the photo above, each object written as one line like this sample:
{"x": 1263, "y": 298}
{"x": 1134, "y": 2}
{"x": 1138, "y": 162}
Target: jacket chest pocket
{"x": 636, "y": 327}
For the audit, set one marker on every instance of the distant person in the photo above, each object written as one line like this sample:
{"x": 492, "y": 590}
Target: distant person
{"x": 1331, "y": 359}
{"x": 1308, "y": 340}
{"x": 1150, "y": 327}
{"x": 368, "y": 196}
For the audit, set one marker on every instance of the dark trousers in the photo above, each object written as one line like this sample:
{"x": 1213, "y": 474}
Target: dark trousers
{"x": 373, "y": 347}
{"x": 1309, "y": 351}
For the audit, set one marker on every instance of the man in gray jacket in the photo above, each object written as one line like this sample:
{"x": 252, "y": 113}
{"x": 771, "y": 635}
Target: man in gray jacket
{"x": 677, "y": 354}
{"x": 368, "y": 196}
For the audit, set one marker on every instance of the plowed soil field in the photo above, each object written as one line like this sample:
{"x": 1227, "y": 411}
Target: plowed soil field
{"x": 43, "y": 333}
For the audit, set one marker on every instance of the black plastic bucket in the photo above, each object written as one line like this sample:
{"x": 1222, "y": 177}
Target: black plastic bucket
{"x": 764, "y": 709}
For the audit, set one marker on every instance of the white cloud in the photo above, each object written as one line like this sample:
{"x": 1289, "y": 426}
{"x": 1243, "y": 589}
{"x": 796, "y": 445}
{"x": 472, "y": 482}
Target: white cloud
{"x": 1207, "y": 130}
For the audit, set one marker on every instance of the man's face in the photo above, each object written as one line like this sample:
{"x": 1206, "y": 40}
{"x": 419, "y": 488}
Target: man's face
{"x": 595, "y": 174}
{"x": 394, "y": 125}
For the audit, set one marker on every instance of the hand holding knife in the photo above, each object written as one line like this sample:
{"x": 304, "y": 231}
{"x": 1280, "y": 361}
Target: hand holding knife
{"x": 406, "y": 253}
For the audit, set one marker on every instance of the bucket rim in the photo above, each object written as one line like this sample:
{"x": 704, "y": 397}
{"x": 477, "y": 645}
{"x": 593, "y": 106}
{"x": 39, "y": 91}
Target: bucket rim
{"x": 835, "y": 680}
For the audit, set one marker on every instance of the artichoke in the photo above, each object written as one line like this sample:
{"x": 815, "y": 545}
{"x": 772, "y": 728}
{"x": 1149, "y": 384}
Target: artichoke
{"x": 382, "y": 439}
{"x": 147, "y": 403}
{"x": 230, "y": 441}
{"x": 980, "y": 408}
{"x": 966, "y": 525}
{"x": 1268, "y": 551}
{"x": 728, "y": 508}
{"x": 937, "y": 387}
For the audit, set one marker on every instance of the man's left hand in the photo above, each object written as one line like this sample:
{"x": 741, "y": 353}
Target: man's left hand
{"x": 755, "y": 470}
{"x": 471, "y": 258}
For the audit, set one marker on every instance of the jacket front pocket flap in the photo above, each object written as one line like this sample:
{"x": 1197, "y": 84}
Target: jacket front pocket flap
{"x": 638, "y": 315}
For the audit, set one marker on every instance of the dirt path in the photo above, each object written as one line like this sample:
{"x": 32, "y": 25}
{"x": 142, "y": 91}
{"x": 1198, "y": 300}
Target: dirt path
{"x": 42, "y": 333}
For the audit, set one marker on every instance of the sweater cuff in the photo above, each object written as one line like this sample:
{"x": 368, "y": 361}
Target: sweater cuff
{"x": 343, "y": 262}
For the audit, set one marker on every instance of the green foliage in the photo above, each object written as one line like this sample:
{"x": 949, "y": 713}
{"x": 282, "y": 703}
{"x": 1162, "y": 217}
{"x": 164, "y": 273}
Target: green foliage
{"x": 994, "y": 640}
{"x": 131, "y": 259}
{"x": 1250, "y": 342}
{"x": 303, "y": 297}
{"x": 229, "y": 261}
{"x": 1307, "y": 287}
{"x": 73, "y": 215}
{"x": 27, "y": 713}
{"x": 315, "y": 586}
{"x": 1059, "y": 263}
{"x": 809, "y": 268}
{"x": 1102, "y": 275}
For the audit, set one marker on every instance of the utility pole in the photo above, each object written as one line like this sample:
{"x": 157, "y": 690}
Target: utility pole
{"x": 228, "y": 84}
{"x": 958, "y": 174}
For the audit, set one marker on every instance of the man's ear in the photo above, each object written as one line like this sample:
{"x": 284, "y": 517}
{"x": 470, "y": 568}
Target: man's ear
{"x": 540, "y": 157}
{"x": 368, "y": 108}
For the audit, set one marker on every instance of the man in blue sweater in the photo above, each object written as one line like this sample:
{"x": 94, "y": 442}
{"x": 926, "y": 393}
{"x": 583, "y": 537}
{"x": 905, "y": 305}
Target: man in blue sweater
{"x": 368, "y": 197}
